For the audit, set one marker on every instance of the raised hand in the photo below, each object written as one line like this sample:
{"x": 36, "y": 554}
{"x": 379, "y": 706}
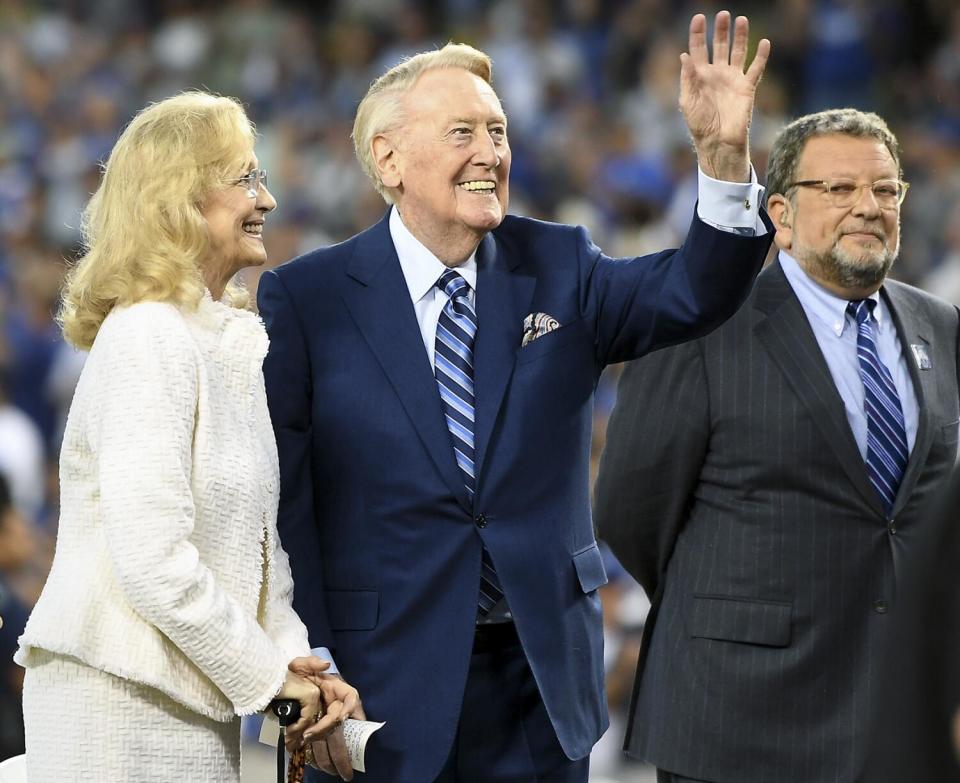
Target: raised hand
{"x": 716, "y": 97}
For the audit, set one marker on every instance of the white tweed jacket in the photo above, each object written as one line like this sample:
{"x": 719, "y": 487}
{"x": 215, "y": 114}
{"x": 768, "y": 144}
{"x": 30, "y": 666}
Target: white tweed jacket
{"x": 168, "y": 569}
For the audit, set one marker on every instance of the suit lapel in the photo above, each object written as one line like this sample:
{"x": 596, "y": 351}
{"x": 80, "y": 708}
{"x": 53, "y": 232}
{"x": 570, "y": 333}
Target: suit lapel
{"x": 379, "y": 303}
{"x": 786, "y": 334}
{"x": 502, "y": 299}
{"x": 913, "y": 331}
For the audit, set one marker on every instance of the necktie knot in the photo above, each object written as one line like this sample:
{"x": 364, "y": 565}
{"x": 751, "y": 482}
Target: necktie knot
{"x": 861, "y": 310}
{"x": 452, "y": 284}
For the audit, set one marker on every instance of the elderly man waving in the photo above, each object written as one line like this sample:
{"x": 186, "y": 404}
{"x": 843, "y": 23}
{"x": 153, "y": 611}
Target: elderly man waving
{"x": 431, "y": 382}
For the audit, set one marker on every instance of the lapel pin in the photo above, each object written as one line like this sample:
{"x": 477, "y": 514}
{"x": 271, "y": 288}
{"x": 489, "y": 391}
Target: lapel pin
{"x": 920, "y": 354}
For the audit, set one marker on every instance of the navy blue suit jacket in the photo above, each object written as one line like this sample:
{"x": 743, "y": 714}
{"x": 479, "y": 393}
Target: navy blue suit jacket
{"x": 383, "y": 542}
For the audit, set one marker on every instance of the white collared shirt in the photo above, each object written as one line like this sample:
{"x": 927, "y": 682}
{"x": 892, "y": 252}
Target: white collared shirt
{"x": 421, "y": 270}
{"x": 836, "y": 334}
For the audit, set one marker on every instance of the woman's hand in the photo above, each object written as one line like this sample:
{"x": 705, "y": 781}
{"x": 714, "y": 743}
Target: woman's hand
{"x": 307, "y": 693}
{"x": 328, "y": 747}
{"x": 340, "y": 701}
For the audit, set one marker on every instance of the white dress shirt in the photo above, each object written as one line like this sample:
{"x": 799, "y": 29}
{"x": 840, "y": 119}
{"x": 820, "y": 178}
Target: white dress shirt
{"x": 836, "y": 334}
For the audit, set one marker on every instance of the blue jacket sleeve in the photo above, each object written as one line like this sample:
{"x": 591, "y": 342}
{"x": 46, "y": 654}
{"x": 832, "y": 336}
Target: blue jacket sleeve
{"x": 641, "y": 304}
{"x": 286, "y": 371}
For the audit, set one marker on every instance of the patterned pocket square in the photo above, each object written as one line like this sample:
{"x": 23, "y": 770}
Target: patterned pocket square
{"x": 536, "y": 325}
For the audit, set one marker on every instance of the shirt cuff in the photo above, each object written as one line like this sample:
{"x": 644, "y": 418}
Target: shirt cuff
{"x": 324, "y": 654}
{"x": 731, "y": 206}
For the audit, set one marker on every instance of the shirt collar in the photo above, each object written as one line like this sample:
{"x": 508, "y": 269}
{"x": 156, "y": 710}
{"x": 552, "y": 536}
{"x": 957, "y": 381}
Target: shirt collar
{"x": 824, "y": 305}
{"x": 421, "y": 268}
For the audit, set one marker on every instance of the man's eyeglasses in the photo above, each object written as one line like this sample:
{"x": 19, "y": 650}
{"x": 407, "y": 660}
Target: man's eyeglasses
{"x": 253, "y": 181}
{"x": 888, "y": 193}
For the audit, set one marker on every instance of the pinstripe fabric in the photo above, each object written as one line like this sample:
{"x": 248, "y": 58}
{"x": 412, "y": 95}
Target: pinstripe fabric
{"x": 453, "y": 363}
{"x": 887, "y": 450}
{"x": 733, "y": 488}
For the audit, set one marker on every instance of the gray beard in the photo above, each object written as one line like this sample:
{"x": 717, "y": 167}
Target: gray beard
{"x": 842, "y": 269}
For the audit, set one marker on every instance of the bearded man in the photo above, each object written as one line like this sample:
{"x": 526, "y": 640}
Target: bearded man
{"x": 765, "y": 483}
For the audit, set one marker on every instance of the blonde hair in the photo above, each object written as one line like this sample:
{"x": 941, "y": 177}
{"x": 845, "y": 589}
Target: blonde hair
{"x": 144, "y": 235}
{"x": 381, "y": 109}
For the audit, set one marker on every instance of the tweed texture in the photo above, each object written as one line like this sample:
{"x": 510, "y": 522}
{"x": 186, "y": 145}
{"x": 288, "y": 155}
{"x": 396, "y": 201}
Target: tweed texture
{"x": 168, "y": 569}
{"x": 139, "y": 734}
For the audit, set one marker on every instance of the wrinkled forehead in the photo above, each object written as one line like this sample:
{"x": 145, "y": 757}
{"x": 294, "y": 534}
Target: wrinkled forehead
{"x": 441, "y": 95}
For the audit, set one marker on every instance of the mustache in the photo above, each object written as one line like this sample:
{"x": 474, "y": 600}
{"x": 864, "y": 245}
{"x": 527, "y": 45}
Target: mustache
{"x": 876, "y": 231}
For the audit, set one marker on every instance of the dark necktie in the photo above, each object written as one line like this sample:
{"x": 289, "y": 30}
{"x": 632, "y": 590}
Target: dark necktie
{"x": 453, "y": 366}
{"x": 887, "y": 451}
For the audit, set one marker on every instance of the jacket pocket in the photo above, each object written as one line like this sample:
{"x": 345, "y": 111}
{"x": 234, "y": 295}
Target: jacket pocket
{"x": 590, "y": 570}
{"x": 552, "y": 341}
{"x": 353, "y": 610}
{"x": 749, "y": 621}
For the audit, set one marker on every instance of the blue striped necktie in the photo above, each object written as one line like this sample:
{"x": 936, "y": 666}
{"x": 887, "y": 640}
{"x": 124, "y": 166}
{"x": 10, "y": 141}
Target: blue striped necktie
{"x": 887, "y": 451}
{"x": 453, "y": 366}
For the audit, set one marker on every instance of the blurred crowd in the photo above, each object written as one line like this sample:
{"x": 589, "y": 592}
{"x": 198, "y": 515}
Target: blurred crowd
{"x": 590, "y": 89}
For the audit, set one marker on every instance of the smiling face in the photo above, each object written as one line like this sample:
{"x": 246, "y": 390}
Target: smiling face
{"x": 235, "y": 222}
{"x": 448, "y": 164}
{"x": 848, "y": 250}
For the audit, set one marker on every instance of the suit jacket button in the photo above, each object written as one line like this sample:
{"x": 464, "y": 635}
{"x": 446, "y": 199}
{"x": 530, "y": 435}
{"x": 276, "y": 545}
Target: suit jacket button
{"x": 892, "y": 527}
{"x": 480, "y": 520}
{"x": 880, "y": 606}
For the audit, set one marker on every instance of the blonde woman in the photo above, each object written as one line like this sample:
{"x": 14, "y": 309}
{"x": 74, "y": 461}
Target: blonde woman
{"x": 167, "y": 613}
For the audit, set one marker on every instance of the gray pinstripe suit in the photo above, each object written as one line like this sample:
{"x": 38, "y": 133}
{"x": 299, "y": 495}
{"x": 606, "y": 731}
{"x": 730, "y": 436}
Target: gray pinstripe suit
{"x": 733, "y": 489}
